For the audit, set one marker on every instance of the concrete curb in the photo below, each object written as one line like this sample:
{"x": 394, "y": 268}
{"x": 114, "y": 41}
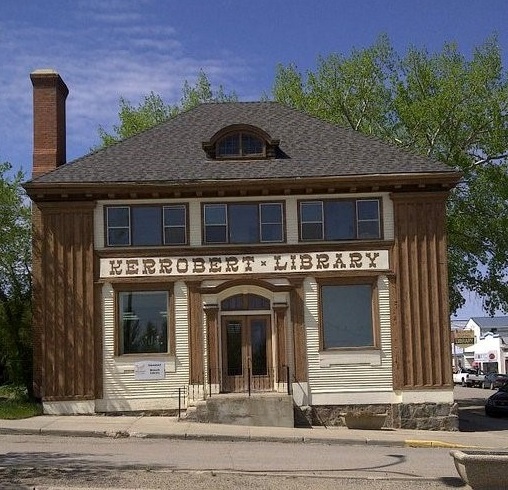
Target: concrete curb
{"x": 346, "y": 441}
{"x": 441, "y": 444}
{"x": 56, "y": 432}
{"x": 171, "y": 428}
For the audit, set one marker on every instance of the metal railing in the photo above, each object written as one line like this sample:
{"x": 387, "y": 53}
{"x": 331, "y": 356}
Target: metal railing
{"x": 182, "y": 396}
{"x": 275, "y": 379}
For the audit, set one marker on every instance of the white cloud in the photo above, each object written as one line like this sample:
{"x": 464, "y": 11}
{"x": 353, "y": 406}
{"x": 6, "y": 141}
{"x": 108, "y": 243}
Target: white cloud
{"x": 103, "y": 51}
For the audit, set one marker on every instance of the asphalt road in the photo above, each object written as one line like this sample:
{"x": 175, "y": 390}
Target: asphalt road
{"x": 44, "y": 463}
{"x": 472, "y": 412}
{"x": 37, "y": 461}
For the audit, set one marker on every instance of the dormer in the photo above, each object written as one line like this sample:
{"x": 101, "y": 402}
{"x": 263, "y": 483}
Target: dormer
{"x": 241, "y": 142}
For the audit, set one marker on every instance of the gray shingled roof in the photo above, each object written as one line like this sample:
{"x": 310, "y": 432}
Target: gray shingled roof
{"x": 172, "y": 151}
{"x": 491, "y": 322}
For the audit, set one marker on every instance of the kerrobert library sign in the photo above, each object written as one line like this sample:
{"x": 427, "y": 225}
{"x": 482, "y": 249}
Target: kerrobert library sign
{"x": 244, "y": 264}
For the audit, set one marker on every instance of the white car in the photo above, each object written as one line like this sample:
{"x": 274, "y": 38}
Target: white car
{"x": 460, "y": 377}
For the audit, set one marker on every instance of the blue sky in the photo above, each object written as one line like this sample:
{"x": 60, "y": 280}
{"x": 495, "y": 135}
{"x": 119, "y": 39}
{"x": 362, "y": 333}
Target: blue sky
{"x": 105, "y": 49}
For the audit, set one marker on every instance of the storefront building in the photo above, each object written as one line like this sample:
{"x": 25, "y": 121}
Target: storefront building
{"x": 239, "y": 248}
{"x": 489, "y": 351}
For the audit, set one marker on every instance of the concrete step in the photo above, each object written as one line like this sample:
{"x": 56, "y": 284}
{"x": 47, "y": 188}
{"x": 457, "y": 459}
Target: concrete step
{"x": 266, "y": 409}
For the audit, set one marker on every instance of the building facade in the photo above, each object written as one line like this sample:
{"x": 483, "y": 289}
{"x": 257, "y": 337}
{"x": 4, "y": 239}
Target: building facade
{"x": 488, "y": 349}
{"x": 239, "y": 248}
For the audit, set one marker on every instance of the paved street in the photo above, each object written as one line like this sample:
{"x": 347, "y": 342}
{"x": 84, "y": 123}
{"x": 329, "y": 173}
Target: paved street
{"x": 129, "y": 480}
{"x": 42, "y": 460}
{"x": 472, "y": 413}
{"x": 126, "y": 459}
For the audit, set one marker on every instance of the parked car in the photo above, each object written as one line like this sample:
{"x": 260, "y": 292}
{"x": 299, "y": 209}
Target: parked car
{"x": 497, "y": 404}
{"x": 462, "y": 375}
{"x": 494, "y": 380}
{"x": 476, "y": 378}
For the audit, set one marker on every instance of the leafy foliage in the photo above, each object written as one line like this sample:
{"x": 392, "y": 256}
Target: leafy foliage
{"x": 350, "y": 91}
{"x": 15, "y": 403}
{"x": 445, "y": 107}
{"x": 153, "y": 110}
{"x": 15, "y": 280}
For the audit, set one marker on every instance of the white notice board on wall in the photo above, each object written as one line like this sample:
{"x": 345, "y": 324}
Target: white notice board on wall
{"x": 149, "y": 370}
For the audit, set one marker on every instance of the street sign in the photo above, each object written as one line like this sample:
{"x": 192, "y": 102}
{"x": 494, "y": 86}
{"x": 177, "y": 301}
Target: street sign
{"x": 463, "y": 338}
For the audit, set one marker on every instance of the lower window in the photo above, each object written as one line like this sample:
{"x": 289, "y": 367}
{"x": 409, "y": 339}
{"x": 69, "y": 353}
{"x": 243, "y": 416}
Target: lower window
{"x": 143, "y": 322}
{"x": 347, "y": 318}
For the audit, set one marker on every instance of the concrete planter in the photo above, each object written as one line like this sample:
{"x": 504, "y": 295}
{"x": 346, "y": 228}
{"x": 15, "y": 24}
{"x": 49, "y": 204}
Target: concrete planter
{"x": 364, "y": 420}
{"x": 482, "y": 470}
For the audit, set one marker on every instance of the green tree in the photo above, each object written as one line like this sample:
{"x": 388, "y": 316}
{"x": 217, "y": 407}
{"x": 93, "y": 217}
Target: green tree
{"x": 441, "y": 105}
{"x": 350, "y": 91}
{"x": 153, "y": 110}
{"x": 15, "y": 280}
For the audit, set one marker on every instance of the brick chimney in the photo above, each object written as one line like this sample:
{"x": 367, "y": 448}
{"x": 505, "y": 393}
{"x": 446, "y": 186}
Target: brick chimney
{"x": 49, "y": 94}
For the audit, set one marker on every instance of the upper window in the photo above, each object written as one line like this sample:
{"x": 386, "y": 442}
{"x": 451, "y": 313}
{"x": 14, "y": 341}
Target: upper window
{"x": 146, "y": 225}
{"x": 243, "y": 223}
{"x": 143, "y": 321}
{"x": 241, "y": 141}
{"x": 347, "y": 315}
{"x": 240, "y": 145}
{"x": 356, "y": 219}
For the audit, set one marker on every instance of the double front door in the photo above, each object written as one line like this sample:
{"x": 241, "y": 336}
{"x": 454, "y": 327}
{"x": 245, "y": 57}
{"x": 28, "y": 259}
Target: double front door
{"x": 246, "y": 354}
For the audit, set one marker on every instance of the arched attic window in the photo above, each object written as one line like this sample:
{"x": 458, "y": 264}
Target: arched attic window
{"x": 240, "y": 141}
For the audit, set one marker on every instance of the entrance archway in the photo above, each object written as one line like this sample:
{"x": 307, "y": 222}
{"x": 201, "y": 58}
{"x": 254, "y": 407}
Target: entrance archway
{"x": 246, "y": 344}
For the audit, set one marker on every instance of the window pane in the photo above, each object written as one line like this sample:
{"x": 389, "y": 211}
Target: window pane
{"x": 311, "y": 211}
{"x": 233, "y": 303}
{"x": 118, "y": 236}
{"x": 240, "y": 302}
{"x": 215, "y": 234}
{"x": 143, "y": 322}
{"x": 368, "y": 219}
{"x": 368, "y": 229}
{"x": 311, "y": 220}
{"x": 271, "y": 213}
{"x": 215, "y": 223}
{"x": 174, "y": 215}
{"x": 215, "y": 214}
{"x": 251, "y": 145}
{"x": 175, "y": 236}
{"x": 118, "y": 224}
{"x": 229, "y": 146}
{"x": 234, "y": 347}
{"x": 174, "y": 225}
{"x": 256, "y": 302}
{"x": 146, "y": 225}
{"x": 339, "y": 220}
{"x": 347, "y": 316}
{"x": 258, "y": 347}
{"x": 118, "y": 217}
{"x": 368, "y": 210}
{"x": 243, "y": 223}
{"x": 312, "y": 231}
{"x": 271, "y": 233}
{"x": 271, "y": 222}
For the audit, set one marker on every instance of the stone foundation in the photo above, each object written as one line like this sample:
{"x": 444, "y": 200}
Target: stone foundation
{"x": 422, "y": 416}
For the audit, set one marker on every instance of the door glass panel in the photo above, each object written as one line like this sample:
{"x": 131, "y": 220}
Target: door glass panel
{"x": 258, "y": 346}
{"x": 234, "y": 348}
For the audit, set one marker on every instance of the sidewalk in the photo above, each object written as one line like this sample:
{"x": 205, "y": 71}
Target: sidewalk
{"x": 174, "y": 428}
